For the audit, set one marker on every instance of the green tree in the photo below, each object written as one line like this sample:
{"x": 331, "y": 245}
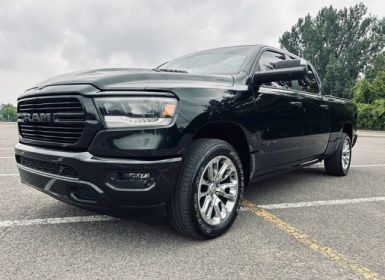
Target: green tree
{"x": 377, "y": 66}
{"x": 8, "y": 112}
{"x": 369, "y": 96}
{"x": 340, "y": 44}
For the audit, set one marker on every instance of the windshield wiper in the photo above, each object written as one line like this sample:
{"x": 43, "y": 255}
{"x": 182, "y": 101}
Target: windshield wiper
{"x": 169, "y": 70}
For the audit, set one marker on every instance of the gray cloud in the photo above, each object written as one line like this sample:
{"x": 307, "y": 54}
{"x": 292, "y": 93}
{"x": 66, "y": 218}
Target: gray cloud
{"x": 42, "y": 38}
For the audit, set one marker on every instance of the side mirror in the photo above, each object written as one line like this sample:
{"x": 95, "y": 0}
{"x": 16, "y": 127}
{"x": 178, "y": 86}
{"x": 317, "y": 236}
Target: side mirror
{"x": 285, "y": 70}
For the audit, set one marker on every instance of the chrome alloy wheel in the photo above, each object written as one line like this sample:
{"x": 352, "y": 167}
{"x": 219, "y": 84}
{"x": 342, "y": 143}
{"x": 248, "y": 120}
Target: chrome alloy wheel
{"x": 218, "y": 190}
{"x": 346, "y": 153}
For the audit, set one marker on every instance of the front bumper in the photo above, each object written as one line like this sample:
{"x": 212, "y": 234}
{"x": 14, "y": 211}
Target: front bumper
{"x": 98, "y": 183}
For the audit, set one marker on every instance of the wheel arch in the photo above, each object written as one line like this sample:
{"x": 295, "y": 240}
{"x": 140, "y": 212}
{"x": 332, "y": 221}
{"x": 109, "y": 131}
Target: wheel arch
{"x": 235, "y": 135}
{"x": 348, "y": 129}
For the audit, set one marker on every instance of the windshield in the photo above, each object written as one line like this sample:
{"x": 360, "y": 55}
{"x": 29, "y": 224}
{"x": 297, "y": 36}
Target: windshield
{"x": 222, "y": 61}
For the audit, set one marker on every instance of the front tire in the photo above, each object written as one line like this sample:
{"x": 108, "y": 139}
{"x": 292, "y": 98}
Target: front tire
{"x": 210, "y": 184}
{"x": 339, "y": 163}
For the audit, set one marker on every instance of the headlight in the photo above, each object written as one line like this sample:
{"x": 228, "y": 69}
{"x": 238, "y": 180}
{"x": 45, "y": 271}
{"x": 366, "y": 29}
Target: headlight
{"x": 136, "y": 111}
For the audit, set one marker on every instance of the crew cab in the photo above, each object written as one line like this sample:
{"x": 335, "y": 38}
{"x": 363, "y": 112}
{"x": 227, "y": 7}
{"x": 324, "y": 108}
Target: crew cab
{"x": 183, "y": 139}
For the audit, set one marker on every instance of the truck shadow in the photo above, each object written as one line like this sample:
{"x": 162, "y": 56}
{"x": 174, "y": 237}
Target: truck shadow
{"x": 129, "y": 229}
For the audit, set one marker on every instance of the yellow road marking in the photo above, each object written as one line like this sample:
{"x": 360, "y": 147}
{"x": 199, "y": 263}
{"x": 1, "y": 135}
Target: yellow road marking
{"x": 311, "y": 243}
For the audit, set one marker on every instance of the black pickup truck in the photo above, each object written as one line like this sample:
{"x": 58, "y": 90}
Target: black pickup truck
{"x": 183, "y": 139}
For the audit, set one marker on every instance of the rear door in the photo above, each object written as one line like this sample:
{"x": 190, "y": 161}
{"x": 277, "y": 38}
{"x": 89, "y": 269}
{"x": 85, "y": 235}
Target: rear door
{"x": 278, "y": 117}
{"x": 316, "y": 121}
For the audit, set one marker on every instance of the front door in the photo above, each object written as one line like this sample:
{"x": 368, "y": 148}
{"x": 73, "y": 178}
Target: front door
{"x": 279, "y": 116}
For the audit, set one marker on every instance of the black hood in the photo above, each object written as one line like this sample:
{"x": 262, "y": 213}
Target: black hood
{"x": 130, "y": 78}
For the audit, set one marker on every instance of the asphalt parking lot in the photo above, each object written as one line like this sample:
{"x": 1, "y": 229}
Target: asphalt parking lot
{"x": 300, "y": 225}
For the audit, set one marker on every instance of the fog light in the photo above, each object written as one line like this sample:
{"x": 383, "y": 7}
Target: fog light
{"x": 126, "y": 181}
{"x": 132, "y": 175}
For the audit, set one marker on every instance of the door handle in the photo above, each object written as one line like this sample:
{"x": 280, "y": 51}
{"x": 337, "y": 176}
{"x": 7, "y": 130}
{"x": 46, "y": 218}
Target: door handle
{"x": 324, "y": 106}
{"x": 296, "y": 104}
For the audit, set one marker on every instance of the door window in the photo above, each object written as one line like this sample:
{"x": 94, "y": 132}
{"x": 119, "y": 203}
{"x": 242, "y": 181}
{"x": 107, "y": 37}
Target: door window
{"x": 266, "y": 63}
{"x": 309, "y": 82}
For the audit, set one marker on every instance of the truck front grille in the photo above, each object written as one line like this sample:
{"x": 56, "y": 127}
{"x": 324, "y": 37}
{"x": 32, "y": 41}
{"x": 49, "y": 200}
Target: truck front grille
{"x": 48, "y": 167}
{"x": 51, "y": 119}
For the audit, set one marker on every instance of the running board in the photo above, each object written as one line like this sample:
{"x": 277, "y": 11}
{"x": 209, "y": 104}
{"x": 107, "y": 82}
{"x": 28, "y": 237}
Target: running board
{"x": 309, "y": 162}
{"x": 285, "y": 170}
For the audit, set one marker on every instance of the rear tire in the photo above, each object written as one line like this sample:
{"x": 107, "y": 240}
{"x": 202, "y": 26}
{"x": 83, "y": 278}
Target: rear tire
{"x": 206, "y": 200}
{"x": 339, "y": 163}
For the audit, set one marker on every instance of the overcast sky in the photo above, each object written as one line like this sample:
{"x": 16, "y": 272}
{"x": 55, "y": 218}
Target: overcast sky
{"x": 42, "y": 38}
